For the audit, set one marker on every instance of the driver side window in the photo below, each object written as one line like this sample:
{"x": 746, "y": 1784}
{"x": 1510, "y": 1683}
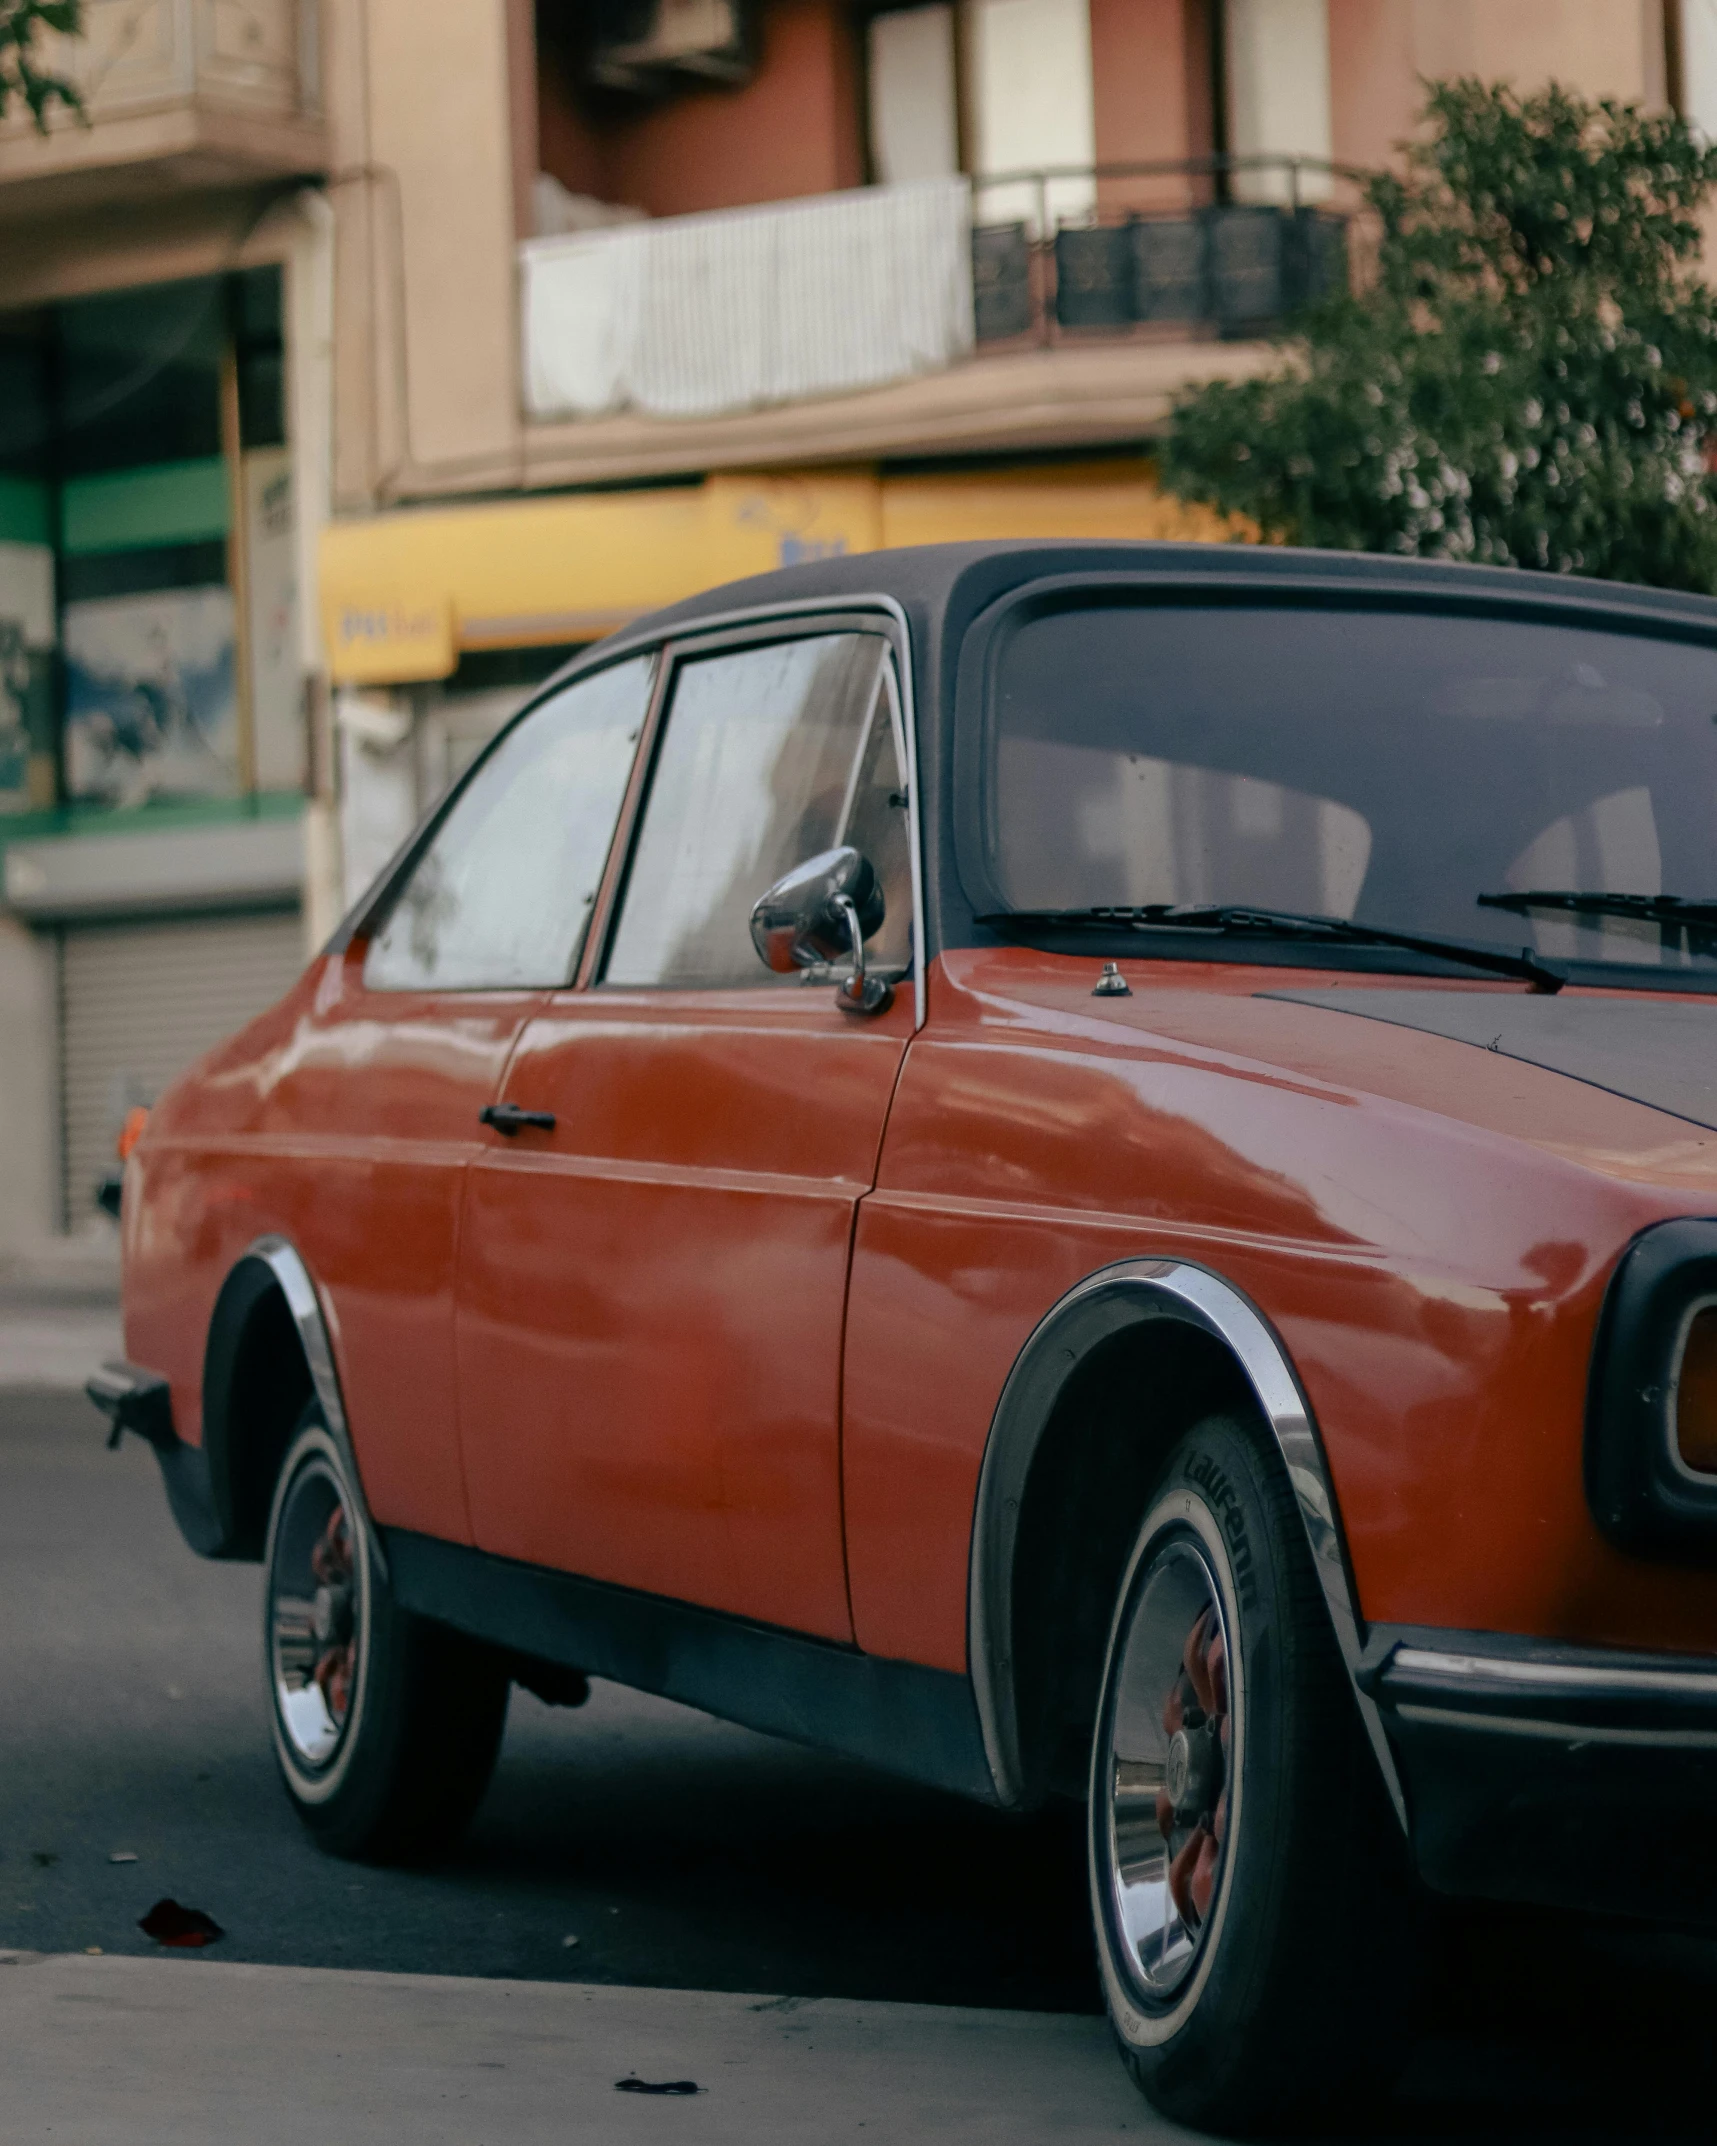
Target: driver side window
{"x": 769, "y": 755}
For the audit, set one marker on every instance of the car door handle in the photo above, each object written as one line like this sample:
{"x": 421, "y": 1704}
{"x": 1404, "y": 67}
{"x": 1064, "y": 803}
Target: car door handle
{"x": 510, "y": 1118}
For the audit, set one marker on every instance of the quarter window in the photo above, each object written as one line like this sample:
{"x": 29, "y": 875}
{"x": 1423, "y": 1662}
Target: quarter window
{"x": 769, "y": 755}
{"x": 504, "y": 893}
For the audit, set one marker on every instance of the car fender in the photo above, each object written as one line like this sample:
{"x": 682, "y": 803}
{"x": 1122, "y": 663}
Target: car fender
{"x": 1129, "y": 1294}
{"x": 271, "y": 1264}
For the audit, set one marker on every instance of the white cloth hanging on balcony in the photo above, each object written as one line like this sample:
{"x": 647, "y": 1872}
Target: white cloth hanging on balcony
{"x": 694, "y": 316}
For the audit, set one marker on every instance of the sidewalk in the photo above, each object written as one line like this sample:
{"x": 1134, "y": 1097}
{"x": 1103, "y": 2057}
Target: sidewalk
{"x": 198, "y": 2052}
{"x": 57, "y": 1329}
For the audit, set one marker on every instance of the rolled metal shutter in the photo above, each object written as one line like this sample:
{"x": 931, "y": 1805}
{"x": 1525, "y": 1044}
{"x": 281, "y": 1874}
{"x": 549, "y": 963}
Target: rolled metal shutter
{"x": 139, "y": 1002}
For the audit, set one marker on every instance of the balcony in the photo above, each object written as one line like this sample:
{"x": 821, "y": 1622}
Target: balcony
{"x": 1032, "y": 310}
{"x": 178, "y": 94}
{"x": 1245, "y": 246}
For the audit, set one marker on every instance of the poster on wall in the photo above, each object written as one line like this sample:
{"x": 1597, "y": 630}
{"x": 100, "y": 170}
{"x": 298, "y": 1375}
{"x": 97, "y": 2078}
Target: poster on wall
{"x": 26, "y": 676}
{"x": 151, "y": 709}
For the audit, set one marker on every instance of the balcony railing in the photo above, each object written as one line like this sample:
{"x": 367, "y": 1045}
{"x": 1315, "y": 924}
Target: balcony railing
{"x": 188, "y": 92}
{"x": 711, "y": 315}
{"x": 1098, "y": 248}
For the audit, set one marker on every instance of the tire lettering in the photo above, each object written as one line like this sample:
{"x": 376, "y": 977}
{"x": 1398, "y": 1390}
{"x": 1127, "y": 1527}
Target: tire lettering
{"x": 1224, "y": 1502}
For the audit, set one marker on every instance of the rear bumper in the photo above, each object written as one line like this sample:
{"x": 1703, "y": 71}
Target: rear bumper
{"x": 1576, "y": 1777}
{"x": 133, "y": 1398}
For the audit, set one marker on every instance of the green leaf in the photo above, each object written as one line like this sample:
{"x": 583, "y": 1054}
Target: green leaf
{"x": 21, "y": 74}
{"x": 1531, "y": 380}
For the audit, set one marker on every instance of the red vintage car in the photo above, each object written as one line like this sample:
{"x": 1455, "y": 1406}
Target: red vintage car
{"x": 1084, "y": 1171}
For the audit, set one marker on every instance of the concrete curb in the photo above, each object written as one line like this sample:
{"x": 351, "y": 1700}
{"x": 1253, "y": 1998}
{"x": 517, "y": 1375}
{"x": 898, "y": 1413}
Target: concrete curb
{"x": 199, "y": 2052}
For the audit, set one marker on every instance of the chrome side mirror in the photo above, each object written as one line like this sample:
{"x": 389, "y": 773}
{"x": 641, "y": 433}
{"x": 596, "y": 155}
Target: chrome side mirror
{"x": 823, "y": 911}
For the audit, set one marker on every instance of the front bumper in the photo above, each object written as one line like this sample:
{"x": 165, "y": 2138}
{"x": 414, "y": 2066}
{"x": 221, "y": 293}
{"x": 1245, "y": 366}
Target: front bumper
{"x": 1574, "y": 1777}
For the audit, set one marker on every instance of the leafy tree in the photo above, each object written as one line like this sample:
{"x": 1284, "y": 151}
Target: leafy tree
{"x": 1530, "y": 380}
{"x": 21, "y": 72}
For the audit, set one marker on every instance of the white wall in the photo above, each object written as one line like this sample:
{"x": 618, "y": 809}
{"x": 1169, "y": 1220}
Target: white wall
{"x": 1278, "y": 91}
{"x": 378, "y": 785}
{"x": 310, "y": 428}
{"x": 1031, "y": 103}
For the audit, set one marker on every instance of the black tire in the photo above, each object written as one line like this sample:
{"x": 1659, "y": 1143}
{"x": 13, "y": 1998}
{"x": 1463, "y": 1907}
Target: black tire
{"x": 386, "y": 1727}
{"x": 1281, "y": 1994}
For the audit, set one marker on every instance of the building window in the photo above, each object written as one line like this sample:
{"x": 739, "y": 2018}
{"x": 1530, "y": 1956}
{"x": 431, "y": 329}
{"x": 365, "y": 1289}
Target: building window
{"x": 1029, "y": 66}
{"x": 1278, "y": 94}
{"x": 1690, "y": 28}
{"x": 914, "y": 94}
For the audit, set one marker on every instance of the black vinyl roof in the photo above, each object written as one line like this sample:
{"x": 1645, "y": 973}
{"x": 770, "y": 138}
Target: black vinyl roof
{"x": 927, "y": 577}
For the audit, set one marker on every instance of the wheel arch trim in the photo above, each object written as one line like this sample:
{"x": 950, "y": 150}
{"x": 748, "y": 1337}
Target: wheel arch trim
{"x": 1130, "y": 1294}
{"x": 290, "y": 1274}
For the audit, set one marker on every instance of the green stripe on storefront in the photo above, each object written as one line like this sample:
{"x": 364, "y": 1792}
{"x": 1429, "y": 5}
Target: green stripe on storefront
{"x": 129, "y": 509}
{"x": 25, "y": 514}
{"x": 159, "y": 817}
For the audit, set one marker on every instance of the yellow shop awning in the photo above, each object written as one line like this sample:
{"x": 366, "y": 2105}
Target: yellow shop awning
{"x": 404, "y": 593}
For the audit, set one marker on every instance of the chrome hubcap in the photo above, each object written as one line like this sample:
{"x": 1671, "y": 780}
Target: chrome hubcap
{"x": 1166, "y": 1758}
{"x": 313, "y": 1615}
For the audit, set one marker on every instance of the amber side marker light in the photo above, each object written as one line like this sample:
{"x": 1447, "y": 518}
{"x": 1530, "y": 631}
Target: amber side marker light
{"x": 1696, "y": 1394}
{"x": 131, "y": 1131}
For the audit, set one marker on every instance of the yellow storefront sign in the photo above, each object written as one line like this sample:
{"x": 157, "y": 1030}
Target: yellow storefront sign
{"x": 387, "y": 639}
{"x": 404, "y": 593}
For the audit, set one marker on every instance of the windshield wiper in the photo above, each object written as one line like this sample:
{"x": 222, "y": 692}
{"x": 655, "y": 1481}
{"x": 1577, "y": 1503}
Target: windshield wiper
{"x": 1281, "y": 924}
{"x": 1674, "y": 913}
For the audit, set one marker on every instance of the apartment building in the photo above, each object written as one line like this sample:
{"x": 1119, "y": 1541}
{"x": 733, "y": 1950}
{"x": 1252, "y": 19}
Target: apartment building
{"x": 364, "y": 357}
{"x": 165, "y": 290}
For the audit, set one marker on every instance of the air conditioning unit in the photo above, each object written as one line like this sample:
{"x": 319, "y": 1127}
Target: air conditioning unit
{"x": 649, "y": 47}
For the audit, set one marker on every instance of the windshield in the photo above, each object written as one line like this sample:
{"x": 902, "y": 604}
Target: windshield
{"x": 1394, "y": 768}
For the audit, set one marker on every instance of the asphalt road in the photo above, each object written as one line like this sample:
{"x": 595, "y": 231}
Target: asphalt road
{"x": 677, "y": 1851}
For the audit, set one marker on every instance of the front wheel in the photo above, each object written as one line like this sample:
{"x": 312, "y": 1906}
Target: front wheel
{"x": 1256, "y": 1923}
{"x": 386, "y": 1727}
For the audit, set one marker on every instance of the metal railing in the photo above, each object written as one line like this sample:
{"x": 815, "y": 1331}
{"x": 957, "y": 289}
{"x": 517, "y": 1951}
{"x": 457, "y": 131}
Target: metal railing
{"x": 1248, "y": 242}
{"x": 712, "y": 314}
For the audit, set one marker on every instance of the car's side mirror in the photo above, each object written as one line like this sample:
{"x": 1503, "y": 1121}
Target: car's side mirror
{"x": 823, "y": 911}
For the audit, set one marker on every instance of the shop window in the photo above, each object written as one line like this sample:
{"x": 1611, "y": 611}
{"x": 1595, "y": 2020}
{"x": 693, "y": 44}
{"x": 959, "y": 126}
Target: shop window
{"x": 27, "y": 742}
{"x": 140, "y": 377}
{"x": 254, "y": 307}
{"x": 131, "y": 425}
{"x": 24, "y": 419}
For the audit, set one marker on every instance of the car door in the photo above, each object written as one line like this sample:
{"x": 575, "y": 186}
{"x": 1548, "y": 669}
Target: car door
{"x": 651, "y": 1291}
{"x": 416, "y": 1022}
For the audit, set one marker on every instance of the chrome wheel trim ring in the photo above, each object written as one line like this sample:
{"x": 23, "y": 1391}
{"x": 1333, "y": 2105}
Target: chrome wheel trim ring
{"x": 1150, "y": 2007}
{"x": 306, "y": 1621}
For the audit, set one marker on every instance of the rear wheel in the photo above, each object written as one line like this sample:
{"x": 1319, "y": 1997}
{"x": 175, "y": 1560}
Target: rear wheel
{"x": 386, "y": 1727}
{"x": 1256, "y": 1923}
